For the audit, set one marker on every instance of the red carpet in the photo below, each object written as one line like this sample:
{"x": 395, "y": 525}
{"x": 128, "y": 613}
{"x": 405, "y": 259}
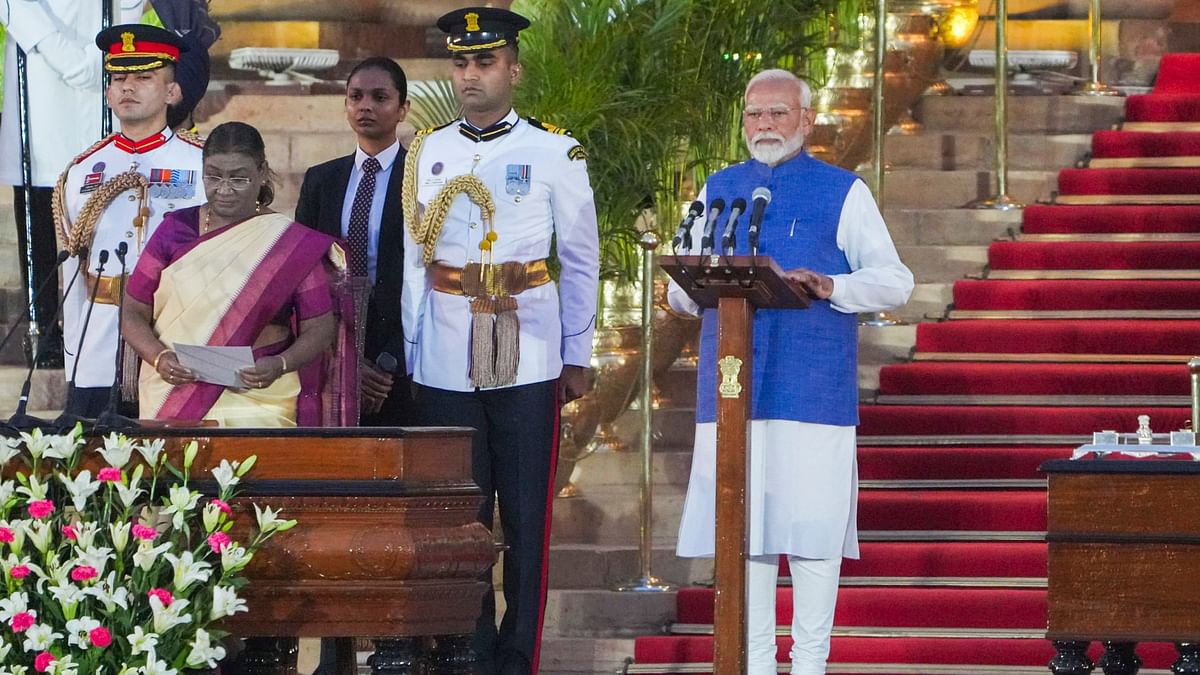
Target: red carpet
{"x": 1111, "y": 144}
{"x": 1046, "y": 294}
{"x": 974, "y": 576}
{"x": 1034, "y": 379}
{"x": 1115, "y": 219}
{"x": 1129, "y": 181}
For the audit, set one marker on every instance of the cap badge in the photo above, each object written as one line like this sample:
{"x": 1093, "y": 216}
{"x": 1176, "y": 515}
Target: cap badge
{"x": 472, "y": 21}
{"x": 127, "y": 42}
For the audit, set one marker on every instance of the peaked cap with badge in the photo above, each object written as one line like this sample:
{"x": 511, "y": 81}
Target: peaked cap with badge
{"x": 477, "y": 29}
{"x": 115, "y": 192}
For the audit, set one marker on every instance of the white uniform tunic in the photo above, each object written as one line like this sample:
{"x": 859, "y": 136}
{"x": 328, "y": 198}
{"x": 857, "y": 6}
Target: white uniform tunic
{"x": 803, "y": 476}
{"x": 176, "y": 166}
{"x": 540, "y": 186}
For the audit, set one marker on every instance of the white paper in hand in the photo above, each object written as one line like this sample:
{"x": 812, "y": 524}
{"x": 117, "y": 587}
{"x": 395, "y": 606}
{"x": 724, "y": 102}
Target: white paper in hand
{"x": 218, "y": 365}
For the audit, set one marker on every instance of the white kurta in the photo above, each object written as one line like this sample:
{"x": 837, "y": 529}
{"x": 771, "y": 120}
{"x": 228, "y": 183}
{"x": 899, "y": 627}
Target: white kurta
{"x": 803, "y": 477}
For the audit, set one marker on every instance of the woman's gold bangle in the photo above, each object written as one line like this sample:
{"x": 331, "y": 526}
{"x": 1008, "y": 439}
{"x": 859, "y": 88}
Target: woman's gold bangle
{"x": 154, "y": 363}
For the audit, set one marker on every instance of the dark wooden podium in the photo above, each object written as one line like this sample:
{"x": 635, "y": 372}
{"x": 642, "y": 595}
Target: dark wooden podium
{"x": 388, "y": 544}
{"x": 736, "y": 286}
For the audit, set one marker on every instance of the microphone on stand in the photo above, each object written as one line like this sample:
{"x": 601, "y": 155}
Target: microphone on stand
{"x": 761, "y": 197}
{"x": 730, "y": 237}
{"x": 710, "y": 223}
{"x": 20, "y": 421}
{"x": 109, "y": 419}
{"x": 67, "y": 420}
{"x": 62, "y": 257}
{"x": 684, "y": 234}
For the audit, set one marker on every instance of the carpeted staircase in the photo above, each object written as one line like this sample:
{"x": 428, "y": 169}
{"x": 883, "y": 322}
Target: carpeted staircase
{"x": 1082, "y": 321}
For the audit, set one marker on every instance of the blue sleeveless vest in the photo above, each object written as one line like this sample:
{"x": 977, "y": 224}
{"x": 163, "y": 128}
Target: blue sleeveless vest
{"x": 805, "y": 361}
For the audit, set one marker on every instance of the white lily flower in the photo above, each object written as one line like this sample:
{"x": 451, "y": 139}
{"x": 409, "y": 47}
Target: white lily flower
{"x": 234, "y": 558}
{"x": 166, "y": 618}
{"x": 155, "y": 667}
{"x": 35, "y": 490}
{"x": 39, "y": 532}
{"x": 14, "y": 670}
{"x": 63, "y": 447}
{"x": 211, "y": 515}
{"x": 96, "y": 557}
{"x": 39, "y": 637}
{"x": 36, "y": 443}
{"x": 66, "y": 666}
{"x": 7, "y": 489}
{"x": 128, "y": 494}
{"x": 117, "y": 450}
{"x": 81, "y": 487}
{"x": 13, "y": 605}
{"x": 224, "y": 473}
{"x": 78, "y": 629}
{"x": 188, "y": 570}
{"x": 10, "y": 447}
{"x": 85, "y": 534}
{"x": 141, "y": 642}
{"x": 150, "y": 450}
{"x": 5, "y": 648}
{"x": 269, "y": 521}
{"x": 147, "y": 553}
{"x": 203, "y": 652}
{"x": 180, "y": 500}
{"x": 226, "y": 603}
{"x": 119, "y": 532}
{"x": 109, "y": 593}
{"x": 68, "y": 596}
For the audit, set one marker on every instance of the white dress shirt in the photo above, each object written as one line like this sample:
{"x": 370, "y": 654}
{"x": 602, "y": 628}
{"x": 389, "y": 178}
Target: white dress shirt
{"x": 386, "y": 159}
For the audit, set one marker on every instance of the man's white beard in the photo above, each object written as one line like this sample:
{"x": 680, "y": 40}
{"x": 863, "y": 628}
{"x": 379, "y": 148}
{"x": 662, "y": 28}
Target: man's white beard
{"x": 773, "y": 153}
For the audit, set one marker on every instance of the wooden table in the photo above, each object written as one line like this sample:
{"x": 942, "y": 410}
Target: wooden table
{"x": 1124, "y": 561}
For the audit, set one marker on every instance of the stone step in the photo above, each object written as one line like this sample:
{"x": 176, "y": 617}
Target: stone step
{"x": 606, "y": 614}
{"x": 879, "y": 346}
{"x": 583, "y": 566}
{"x": 949, "y": 227}
{"x": 950, "y": 151}
{"x": 943, "y": 264}
{"x": 928, "y": 299}
{"x": 47, "y": 393}
{"x": 611, "y": 516}
{"x": 670, "y": 465}
{"x": 910, "y": 188}
{"x": 584, "y": 655}
{"x": 1026, "y": 114}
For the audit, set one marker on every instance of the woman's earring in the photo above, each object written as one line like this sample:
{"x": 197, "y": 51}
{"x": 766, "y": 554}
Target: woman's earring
{"x": 258, "y": 206}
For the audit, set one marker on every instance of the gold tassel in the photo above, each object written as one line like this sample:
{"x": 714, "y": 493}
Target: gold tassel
{"x": 130, "y": 362}
{"x": 483, "y": 342}
{"x": 508, "y": 333}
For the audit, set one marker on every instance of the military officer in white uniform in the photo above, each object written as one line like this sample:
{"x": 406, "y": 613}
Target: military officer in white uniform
{"x": 116, "y": 193}
{"x": 493, "y": 342}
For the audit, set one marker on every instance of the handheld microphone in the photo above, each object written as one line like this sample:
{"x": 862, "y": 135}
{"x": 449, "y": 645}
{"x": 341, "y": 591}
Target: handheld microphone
{"x": 387, "y": 363}
{"x": 729, "y": 237}
{"x": 714, "y": 212}
{"x": 21, "y": 421}
{"x": 761, "y": 197}
{"x": 684, "y": 234}
{"x": 109, "y": 418}
{"x": 62, "y": 257}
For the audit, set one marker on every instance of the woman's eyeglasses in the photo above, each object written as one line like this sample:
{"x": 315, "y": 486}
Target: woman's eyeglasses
{"x": 236, "y": 183}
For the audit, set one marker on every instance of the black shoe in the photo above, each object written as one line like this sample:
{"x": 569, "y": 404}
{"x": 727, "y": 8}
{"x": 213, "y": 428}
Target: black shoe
{"x": 51, "y": 357}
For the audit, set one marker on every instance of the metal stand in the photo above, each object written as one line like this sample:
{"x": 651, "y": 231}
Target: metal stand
{"x": 1000, "y": 201}
{"x": 1094, "y": 87}
{"x": 34, "y": 334}
{"x": 878, "y": 127}
{"x": 1194, "y": 370}
{"x": 647, "y": 582}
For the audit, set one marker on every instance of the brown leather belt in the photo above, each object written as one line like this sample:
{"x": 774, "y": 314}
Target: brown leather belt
{"x": 495, "y": 280}
{"x": 107, "y": 289}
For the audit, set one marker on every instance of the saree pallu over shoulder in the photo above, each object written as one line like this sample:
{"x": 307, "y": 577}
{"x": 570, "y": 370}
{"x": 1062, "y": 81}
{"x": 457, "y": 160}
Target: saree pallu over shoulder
{"x": 223, "y": 291}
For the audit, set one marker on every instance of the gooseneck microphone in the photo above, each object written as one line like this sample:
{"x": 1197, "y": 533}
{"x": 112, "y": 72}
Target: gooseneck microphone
{"x": 62, "y": 257}
{"x": 761, "y": 197}
{"x": 20, "y": 420}
{"x": 109, "y": 418}
{"x": 67, "y": 420}
{"x": 684, "y": 234}
{"x": 729, "y": 238}
{"x": 710, "y": 223}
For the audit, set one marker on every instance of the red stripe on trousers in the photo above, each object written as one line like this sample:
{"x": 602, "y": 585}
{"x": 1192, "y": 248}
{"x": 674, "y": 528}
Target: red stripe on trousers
{"x": 537, "y": 644}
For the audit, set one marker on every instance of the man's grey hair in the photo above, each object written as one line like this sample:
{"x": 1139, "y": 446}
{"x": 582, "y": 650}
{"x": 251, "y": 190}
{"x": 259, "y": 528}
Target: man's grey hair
{"x": 781, "y": 75}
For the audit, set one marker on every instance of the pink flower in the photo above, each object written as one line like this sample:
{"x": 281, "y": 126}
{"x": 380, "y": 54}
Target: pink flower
{"x": 19, "y": 571}
{"x": 69, "y": 532}
{"x": 83, "y": 573}
{"x": 21, "y": 622}
{"x": 163, "y": 595}
{"x": 6, "y": 535}
{"x": 222, "y": 506}
{"x": 144, "y": 533}
{"x": 41, "y": 508}
{"x": 109, "y": 473}
{"x": 100, "y": 637}
{"x": 218, "y": 541}
{"x": 43, "y": 661}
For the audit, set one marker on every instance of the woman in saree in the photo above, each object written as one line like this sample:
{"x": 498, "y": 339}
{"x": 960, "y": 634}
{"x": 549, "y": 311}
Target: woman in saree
{"x": 234, "y": 273}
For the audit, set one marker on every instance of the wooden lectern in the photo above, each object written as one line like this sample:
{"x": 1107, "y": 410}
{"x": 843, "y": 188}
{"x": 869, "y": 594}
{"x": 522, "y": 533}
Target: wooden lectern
{"x": 736, "y": 286}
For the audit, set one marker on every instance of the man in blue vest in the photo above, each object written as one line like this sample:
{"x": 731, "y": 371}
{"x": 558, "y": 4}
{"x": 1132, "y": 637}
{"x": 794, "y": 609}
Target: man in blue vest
{"x": 824, "y": 229}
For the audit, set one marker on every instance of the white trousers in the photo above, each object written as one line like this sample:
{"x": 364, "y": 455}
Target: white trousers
{"x": 814, "y": 595}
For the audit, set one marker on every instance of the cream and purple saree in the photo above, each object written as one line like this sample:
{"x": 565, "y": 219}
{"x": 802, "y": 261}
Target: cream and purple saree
{"x": 225, "y": 289}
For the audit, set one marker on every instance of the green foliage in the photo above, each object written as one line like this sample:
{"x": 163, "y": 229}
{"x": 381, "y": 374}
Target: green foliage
{"x": 652, "y": 88}
{"x": 434, "y": 104}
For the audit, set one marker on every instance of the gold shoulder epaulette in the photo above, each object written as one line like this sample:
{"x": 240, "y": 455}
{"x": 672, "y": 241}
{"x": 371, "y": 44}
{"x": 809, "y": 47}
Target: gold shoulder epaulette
{"x": 430, "y": 130}
{"x": 191, "y": 138}
{"x": 548, "y": 127}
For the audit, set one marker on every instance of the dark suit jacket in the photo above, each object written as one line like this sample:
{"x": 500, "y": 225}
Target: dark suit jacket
{"x": 320, "y": 207}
